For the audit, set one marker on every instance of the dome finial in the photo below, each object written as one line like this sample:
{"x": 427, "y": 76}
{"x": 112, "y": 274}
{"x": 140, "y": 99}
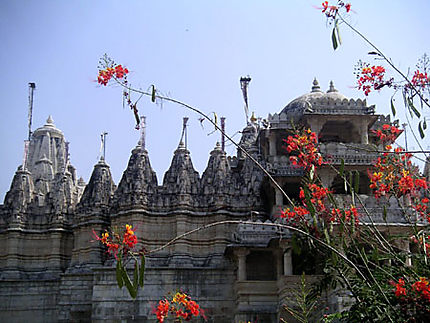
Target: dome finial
{"x": 316, "y": 86}
{"x": 332, "y": 88}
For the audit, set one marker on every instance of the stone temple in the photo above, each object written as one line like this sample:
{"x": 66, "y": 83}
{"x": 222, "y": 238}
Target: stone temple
{"x": 51, "y": 272}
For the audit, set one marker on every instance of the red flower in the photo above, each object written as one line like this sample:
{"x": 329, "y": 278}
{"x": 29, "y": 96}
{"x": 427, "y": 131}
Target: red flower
{"x": 420, "y": 79}
{"x": 371, "y": 77}
{"x": 162, "y": 310}
{"x": 400, "y": 288}
{"x": 348, "y": 7}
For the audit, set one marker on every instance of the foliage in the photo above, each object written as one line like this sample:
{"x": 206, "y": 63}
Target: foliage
{"x": 121, "y": 245}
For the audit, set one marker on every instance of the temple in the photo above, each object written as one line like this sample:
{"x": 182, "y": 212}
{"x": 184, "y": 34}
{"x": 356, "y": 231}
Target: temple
{"x": 51, "y": 272}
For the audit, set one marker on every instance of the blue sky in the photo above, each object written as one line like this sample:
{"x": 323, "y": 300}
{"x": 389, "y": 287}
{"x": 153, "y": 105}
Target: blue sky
{"x": 194, "y": 51}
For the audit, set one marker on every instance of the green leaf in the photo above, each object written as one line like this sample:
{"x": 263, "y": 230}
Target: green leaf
{"x": 393, "y": 109}
{"x": 135, "y": 276}
{"x": 142, "y": 270}
{"x": 334, "y": 39}
{"x": 131, "y": 290}
{"x": 153, "y": 93}
{"x": 342, "y": 167}
{"x": 119, "y": 279}
{"x": 420, "y": 129}
{"x": 357, "y": 181}
{"x": 312, "y": 172}
{"x": 412, "y": 107}
{"x": 338, "y": 33}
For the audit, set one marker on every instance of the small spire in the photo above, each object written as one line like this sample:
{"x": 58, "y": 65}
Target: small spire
{"x": 332, "y": 88}
{"x": 217, "y": 146}
{"x": 316, "y": 86}
{"x": 253, "y": 117}
{"x": 181, "y": 145}
{"x": 49, "y": 122}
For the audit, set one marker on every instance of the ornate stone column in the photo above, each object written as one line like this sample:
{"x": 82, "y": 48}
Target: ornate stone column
{"x": 363, "y": 132}
{"x": 279, "y": 198}
{"x": 288, "y": 259}
{"x": 241, "y": 254}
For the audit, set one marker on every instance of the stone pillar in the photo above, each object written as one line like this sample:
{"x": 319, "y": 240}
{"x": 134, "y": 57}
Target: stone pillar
{"x": 316, "y": 126}
{"x": 288, "y": 262}
{"x": 272, "y": 144}
{"x": 403, "y": 245}
{"x": 363, "y": 132}
{"x": 55, "y": 258}
{"x": 279, "y": 198}
{"x": 278, "y": 256}
{"x": 241, "y": 254}
{"x": 288, "y": 259}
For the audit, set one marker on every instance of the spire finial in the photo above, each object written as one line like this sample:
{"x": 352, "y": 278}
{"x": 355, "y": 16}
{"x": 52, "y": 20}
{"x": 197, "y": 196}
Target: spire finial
{"x": 49, "y": 122}
{"x": 315, "y": 86}
{"x": 184, "y": 133}
{"x": 331, "y": 88}
{"x": 142, "y": 139}
{"x": 103, "y": 146}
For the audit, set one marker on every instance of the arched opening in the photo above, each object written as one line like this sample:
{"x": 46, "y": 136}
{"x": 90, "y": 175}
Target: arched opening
{"x": 339, "y": 131}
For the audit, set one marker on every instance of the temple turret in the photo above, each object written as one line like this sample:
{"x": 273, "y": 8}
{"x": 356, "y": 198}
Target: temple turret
{"x": 138, "y": 183}
{"x": 100, "y": 188}
{"x": 181, "y": 182}
{"x": 216, "y": 178}
{"x": 21, "y": 192}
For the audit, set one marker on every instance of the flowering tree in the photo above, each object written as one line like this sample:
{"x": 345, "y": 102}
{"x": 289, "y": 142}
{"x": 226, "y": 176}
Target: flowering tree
{"x": 359, "y": 256}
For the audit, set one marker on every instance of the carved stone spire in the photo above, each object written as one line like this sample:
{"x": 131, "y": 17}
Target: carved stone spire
{"x": 181, "y": 181}
{"x": 216, "y": 178}
{"x": 138, "y": 183}
{"x": 20, "y": 193}
{"x": 100, "y": 188}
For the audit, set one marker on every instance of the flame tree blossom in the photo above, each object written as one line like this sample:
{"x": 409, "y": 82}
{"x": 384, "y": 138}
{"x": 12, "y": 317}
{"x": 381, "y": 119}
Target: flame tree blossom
{"x": 121, "y": 245}
{"x": 180, "y": 306}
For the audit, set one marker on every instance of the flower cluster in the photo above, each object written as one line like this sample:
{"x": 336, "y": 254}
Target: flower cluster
{"x": 318, "y": 201}
{"x": 420, "y": 288}
{"x": 394, "y": 174}
{"x": 116, "y": 71}
{"x": 130, "y": 239}
{"x": 118, "y": 242}
{"x": 331, "y": 11}
{"x": 181, "y": 306}
{"x": 413, "y": 299}
{"x": 371, "y": 77}
{"x": 420, "y": 79}
{"x": 422, "y": 207}
{"x": 387, "y": 134}
{"x": 304, "y": 149}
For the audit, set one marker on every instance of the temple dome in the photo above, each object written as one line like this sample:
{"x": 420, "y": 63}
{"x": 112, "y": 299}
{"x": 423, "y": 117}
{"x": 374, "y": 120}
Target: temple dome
{"x": 300, "y": 104}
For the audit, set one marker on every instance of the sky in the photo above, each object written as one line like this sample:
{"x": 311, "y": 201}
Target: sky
{"x": 193, "y": 51}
